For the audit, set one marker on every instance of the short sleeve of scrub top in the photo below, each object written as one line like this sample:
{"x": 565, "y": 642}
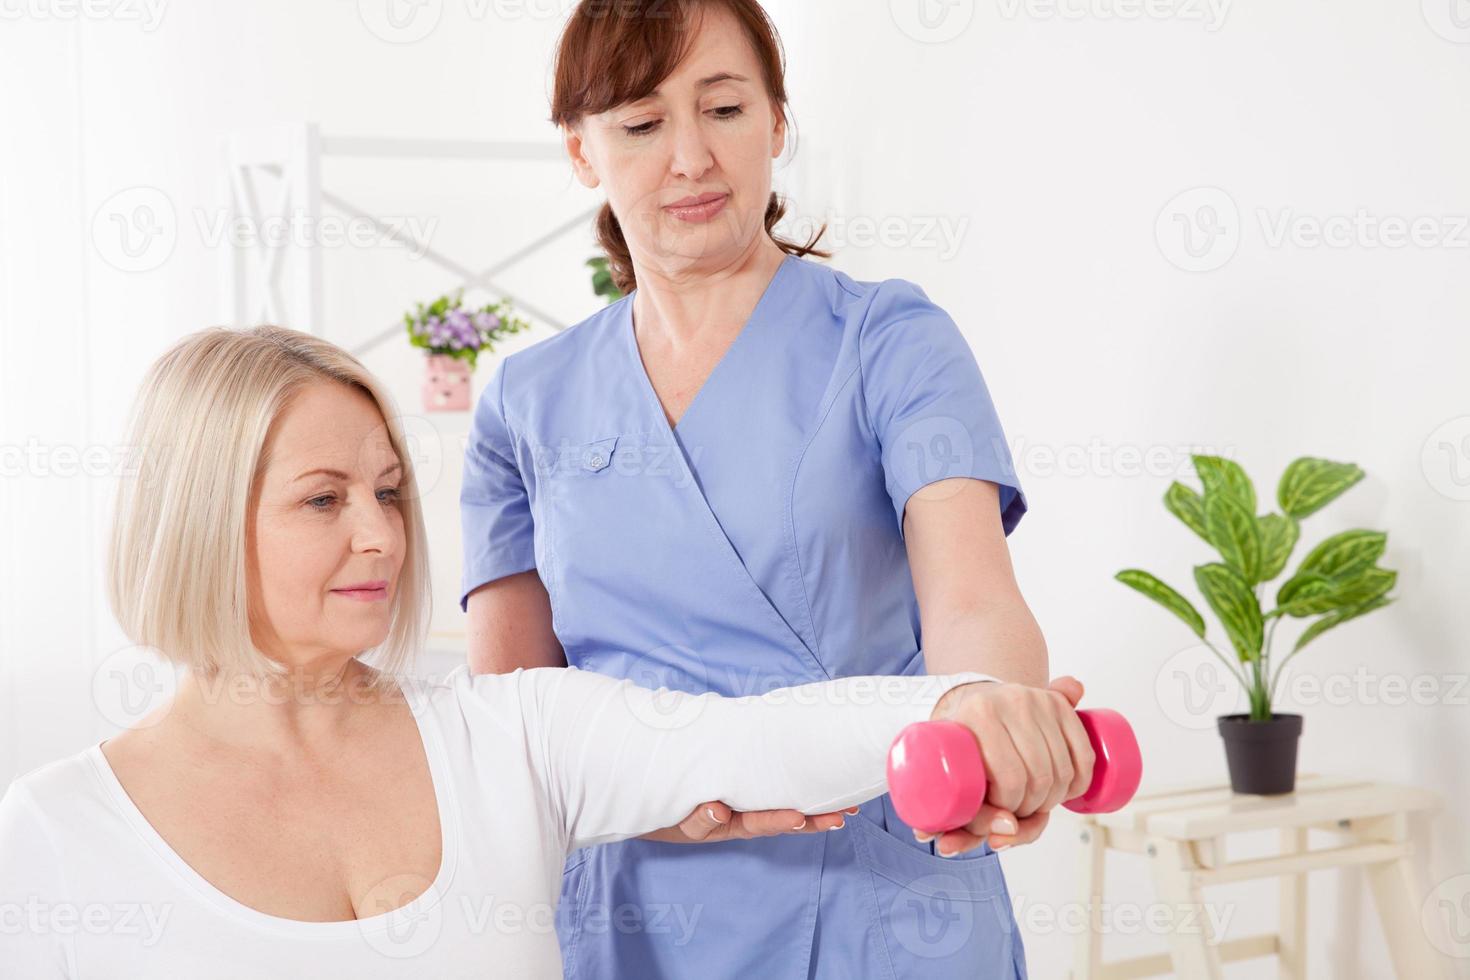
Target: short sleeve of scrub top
{"x": 928, "y": 403}
{"x": 495, "y": 510}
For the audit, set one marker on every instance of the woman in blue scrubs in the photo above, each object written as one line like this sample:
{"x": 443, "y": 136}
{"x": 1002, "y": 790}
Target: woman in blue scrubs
{"x": 750, "y": 472}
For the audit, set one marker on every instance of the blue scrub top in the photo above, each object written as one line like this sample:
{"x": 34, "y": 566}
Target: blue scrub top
{"x": 758, "y": 544}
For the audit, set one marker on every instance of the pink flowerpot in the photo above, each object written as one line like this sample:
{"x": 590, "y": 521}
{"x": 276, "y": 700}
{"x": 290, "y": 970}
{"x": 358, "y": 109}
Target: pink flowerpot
{"x": 446, "y": 384}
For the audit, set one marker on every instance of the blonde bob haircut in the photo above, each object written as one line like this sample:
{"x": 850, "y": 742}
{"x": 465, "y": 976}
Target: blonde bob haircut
{"x": 176, "y": 565}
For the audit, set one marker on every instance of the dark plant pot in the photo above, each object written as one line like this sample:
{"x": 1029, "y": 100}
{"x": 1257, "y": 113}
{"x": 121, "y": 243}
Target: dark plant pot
{"x": 1261, "y": 754}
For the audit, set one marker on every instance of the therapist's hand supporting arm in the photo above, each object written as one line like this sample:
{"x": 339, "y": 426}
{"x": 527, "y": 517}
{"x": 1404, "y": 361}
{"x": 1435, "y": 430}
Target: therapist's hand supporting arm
{"x": 973, "y": 617}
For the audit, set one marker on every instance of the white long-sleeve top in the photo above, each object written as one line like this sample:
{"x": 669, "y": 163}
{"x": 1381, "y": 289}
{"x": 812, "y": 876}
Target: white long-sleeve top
{"x": 526, "y": 766}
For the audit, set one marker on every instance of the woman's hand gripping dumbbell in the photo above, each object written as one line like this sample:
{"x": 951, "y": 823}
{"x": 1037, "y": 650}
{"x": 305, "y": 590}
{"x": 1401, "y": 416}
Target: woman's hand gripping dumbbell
{"x": 994, "y": 752}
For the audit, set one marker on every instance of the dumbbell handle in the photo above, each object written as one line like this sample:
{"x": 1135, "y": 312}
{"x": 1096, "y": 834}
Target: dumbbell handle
{"x": 937, "y": 777}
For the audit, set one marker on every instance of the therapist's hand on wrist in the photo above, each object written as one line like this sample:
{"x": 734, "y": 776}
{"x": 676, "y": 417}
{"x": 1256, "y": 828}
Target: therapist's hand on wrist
{"x": 1036, "y": 756}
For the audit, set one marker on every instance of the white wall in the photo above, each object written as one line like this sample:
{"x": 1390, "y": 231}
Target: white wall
{"x": 1052, "y": 141}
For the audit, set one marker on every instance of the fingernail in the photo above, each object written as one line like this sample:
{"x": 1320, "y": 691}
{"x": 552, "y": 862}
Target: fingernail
{"x": 838, "y": 826}
{"x": 851, "y": 810}
{"x": 922, "y": 837}
{"x": 711, "y": 812}
{"x": 800, "y": 825}
{"x": 1005, "y": 825}
{"x": 944, "y": 854}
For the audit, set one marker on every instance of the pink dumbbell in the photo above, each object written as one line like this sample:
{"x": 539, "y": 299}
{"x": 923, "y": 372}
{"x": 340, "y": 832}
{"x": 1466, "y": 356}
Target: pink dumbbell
{"x": 937, "y": 778}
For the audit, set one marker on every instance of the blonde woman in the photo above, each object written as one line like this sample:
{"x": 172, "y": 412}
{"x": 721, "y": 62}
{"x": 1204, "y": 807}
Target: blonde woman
{"x": 296, "y": 812}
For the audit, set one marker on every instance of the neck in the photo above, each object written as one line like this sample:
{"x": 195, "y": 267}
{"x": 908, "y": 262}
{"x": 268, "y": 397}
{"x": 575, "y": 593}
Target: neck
{"x": 308, "y": 705}
{"x": 681, "y": 305}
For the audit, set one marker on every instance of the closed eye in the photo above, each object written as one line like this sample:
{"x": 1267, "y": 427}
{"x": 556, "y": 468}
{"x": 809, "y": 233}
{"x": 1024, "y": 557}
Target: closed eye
{"x": 722, "y": 112}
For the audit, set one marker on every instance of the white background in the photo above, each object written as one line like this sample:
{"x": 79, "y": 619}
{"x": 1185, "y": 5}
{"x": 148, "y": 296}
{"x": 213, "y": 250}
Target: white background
{"x": 1130, "y": 190}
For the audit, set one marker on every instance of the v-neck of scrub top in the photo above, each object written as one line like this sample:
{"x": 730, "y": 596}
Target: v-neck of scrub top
{"x": 721, "y": 367}
{"x": 712, "y": 430}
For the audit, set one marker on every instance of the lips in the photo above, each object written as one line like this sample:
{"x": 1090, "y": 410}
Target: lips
{"x": 374, "y": 591}
{"x": 694, "y": 202}
{"x": 373, "y": 586}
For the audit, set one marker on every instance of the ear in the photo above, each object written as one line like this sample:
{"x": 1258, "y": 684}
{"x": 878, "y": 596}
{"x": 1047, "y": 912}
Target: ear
{"x": 778, "y": 136}
{"x": 576, "y": 153}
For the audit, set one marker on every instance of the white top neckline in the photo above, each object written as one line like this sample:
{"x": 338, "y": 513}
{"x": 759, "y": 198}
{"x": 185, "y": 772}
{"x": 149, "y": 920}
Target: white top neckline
{"x": 444, "y": 796}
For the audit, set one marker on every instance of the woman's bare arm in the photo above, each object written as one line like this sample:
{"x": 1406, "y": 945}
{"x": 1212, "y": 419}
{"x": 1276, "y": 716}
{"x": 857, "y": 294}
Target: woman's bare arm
{"x": 510, "y": 626}
{"x": 973, "y": 616}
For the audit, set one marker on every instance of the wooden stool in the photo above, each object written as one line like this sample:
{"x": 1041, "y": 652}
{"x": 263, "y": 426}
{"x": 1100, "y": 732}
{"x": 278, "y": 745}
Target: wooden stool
{"x": 1183, "y": 832}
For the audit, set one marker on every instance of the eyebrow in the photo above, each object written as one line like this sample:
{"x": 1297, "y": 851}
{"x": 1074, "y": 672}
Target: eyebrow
{"x": 724, "y": 76}
{"x": 338, "y": 474}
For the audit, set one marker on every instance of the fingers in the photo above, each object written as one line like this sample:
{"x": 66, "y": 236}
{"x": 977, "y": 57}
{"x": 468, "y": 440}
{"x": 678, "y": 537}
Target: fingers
{"x": 768, "y": 823}
{"x": 1035, "y": 750}
{"x": 1025, "y": 770}
{"x": 1080, "y": 751}
{"x": 1006, "y": 772}
{"x": 705, "y": 820}
{"x": 953, "y": 842}
{"x": 1029, "y": 830}
{"x": 1069, "y": 687}
{"x": 997, "y": 825}
{"x": 1059, "y": 748}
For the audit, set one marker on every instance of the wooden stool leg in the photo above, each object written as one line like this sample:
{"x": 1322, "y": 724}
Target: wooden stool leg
{"x": 1399, "y": 895}
{"x": 1194, "y": 953}
{"x": 1087, "y": 951}
{"x": 1293, "y": 955}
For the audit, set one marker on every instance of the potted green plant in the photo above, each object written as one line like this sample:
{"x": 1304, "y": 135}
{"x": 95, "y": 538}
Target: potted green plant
{"x": 1338, "y": 580}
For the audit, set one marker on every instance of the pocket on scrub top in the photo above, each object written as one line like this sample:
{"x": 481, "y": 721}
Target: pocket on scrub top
{"x": 942, "y": 918}
{"x": 573, "y": 502}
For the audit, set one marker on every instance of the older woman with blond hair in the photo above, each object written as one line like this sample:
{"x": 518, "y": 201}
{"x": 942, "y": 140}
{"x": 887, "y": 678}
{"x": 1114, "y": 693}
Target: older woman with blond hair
{"x": 295, "y": 811}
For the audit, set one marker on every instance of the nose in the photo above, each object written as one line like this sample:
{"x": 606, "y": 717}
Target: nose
{"x": 372, "y": 526}
{"x": 691, "y": 155}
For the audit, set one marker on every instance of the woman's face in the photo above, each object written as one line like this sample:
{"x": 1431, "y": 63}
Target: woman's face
{"x": 695, "y": 136}
{"x": 313, "y": 533}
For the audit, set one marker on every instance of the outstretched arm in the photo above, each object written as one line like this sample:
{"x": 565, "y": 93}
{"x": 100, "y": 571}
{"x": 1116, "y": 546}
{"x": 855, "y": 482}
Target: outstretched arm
{"x": 620, "y": 760}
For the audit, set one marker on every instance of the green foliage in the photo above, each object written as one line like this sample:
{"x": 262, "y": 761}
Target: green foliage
{"x": 1338, "y": 580}
{"x": 602, "y": 280}
{"x": 479, "y": 330}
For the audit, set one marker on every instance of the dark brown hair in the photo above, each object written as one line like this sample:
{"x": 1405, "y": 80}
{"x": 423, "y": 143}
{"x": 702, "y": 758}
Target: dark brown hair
{"x": 617, "y": 51}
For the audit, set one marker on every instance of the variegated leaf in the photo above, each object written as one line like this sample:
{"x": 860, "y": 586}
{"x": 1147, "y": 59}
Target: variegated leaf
{"x": 1309, "y": 484}
{"x": 1137, "y": 578}
{"x": 1232, "y": 600}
